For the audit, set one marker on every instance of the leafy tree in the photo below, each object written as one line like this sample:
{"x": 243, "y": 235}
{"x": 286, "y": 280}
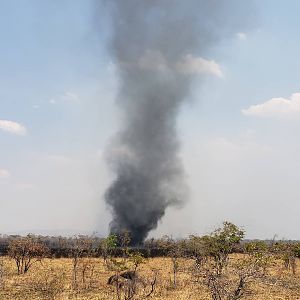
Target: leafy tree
{"x": 287, "y": 253}
{"x": 107, "y": 246}
{"x": 227, "y": 280}
{"x": 220, "y": 243}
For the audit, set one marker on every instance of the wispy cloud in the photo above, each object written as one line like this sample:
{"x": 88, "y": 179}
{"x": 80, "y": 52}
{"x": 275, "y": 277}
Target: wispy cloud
{"x": 69, "y": 96}
{"x": 198, "y": 65}
{"x": 187, "y": 65}
{"x": 4, "y": 174}
{"x": 278, "y": 108}
{"x": 242, "y": 36}
{"x": 65, "y": 97}
{"x": 12, "y": 127}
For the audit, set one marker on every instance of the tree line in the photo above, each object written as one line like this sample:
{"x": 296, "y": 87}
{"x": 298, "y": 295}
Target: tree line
{"x": 209, "y": 254}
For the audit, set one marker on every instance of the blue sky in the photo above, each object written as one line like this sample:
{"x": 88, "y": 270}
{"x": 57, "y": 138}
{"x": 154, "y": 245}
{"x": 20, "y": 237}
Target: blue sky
{"x": 57, "y": 89}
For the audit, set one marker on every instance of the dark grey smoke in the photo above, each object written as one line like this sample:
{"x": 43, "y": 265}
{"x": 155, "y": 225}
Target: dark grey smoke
{"x": 151, "y": 40}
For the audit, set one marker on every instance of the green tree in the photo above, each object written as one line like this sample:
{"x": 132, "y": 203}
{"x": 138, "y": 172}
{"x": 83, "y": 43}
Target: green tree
{"x": 107, "y": 246}
{"x": 227, "y": 279}
{"x": 220, "y": 243}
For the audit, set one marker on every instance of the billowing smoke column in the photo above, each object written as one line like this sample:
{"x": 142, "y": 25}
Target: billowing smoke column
{"x": 158, "y": 45}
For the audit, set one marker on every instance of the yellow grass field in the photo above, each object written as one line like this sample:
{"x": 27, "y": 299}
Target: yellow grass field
{"x": 53, "y": 279}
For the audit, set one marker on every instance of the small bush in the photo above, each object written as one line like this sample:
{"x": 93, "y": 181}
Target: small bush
{"x": 26, "y": 251}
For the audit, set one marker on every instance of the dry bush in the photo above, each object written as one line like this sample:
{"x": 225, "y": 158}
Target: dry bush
{"x": 83, "y": 265}
{"x": 287, "y": 253}
{"x": 175, "y": 250}
{"x": 233, "y": 282}
{"x": 26, "y": 252}
{"x": 3, "y": 272}
{"x": 223, "y": 278}
{"x": 85, "y": 274}
{"x": 48, "y": 284}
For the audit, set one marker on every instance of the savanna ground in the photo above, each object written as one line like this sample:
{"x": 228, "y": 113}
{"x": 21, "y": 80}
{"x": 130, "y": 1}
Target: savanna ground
{"x": 54, "y": 279}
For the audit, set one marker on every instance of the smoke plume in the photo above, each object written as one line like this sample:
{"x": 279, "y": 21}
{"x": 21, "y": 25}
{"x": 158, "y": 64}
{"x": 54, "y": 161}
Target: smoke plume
{"x": 158, "y": 46}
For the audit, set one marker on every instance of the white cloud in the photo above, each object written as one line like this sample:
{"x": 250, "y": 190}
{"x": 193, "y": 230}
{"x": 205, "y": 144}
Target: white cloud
{"x": 242, "y": 36}
{"x": 198, "y": 65}
{"x": 187, "y": 65}
{"x": 69, "y": 96}
{"x": 278, "y": 108}
{"x": 12, "y": 127}
{"x": 4, "y": 174}
{"x": 65, "y": 97}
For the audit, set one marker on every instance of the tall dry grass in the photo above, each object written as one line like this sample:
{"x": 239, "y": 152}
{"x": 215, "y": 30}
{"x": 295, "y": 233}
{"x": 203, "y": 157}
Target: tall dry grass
{"x": 54, "y": 279}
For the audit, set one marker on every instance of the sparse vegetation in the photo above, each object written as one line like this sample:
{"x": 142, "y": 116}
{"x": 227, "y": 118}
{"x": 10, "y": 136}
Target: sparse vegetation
{"x": 26, "y": 252}
{"x": 2, "y": 273}
{"x": 200, "y": 267}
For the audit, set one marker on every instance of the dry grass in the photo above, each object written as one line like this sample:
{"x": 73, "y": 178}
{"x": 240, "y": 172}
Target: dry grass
{"x": 52, "y": 279}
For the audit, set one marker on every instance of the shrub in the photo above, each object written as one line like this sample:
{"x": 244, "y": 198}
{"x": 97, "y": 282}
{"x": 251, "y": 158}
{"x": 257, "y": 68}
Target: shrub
{"x": 26, "y": 251}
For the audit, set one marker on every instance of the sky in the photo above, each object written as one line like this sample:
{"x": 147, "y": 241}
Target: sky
{"x": 238, "y": 131}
